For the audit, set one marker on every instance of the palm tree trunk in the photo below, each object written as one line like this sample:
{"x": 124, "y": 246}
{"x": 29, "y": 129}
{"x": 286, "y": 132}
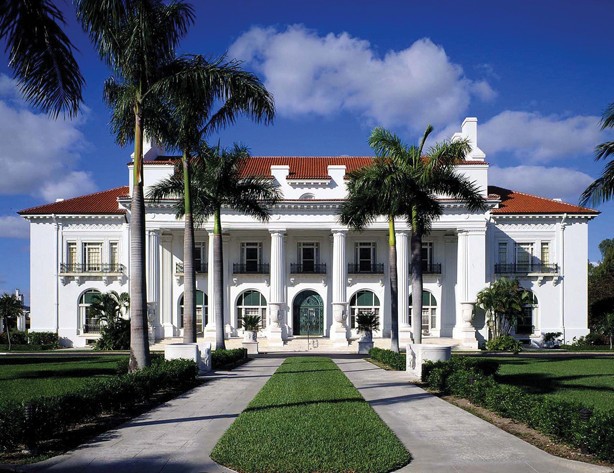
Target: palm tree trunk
{"x": 394, "y": 290}
{"x": 416, "y": 284}
{"x": 218, "y": 282}
{"x": 139, "y": 342}
{"x": 189, "y": 281}
{"x": 8, "y": 331}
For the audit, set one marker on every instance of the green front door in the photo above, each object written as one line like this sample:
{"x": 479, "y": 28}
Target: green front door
{"x": 308, "y": 314}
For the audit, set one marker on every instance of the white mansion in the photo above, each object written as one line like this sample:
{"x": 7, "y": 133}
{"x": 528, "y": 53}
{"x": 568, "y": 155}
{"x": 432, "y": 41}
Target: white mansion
{"x": 305, "y": 270}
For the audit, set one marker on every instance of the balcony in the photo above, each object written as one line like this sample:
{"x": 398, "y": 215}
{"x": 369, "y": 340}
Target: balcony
{"x": 526, "y": 268}
{"x": 310, "y": 268}
{"x": 366, "y": 268}
{"x": 198, "y": 267}
{"x": 88, "y": 268}
{"x": 251, "y": 268}
{"x": 430, "y": 268}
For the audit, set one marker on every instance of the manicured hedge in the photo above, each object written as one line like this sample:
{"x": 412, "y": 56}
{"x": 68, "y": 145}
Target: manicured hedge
{"x": 227, "y": 358}
{"x": 592, "y": 431}
{"x": 394, "y": 360}
{"x": 44, "y": 417}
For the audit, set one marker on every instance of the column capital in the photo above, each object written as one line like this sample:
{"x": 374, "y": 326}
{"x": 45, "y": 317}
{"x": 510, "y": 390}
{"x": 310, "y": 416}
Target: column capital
{"x": 402, "y": 232}
{"x": 339, "y": 231}
{"x": 277, "y": 231}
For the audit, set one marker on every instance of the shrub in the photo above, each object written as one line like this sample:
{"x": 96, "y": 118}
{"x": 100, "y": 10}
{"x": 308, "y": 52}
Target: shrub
{"x": 394, "y": 360}
{"x": 17, "y": 337}
{"x": 504, "y": 343}
{"x": 42, "y": 418}
{"x": 592, "y": 431}
{"x": 590, "y": 340}
{"x": 227, "y": 358}
{"x": 46, "y": 340}
{"x": 115, "y": 336}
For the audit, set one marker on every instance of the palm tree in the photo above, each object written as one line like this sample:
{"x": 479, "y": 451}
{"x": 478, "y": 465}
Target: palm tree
{"x": 194, "y": 111}
{"x": 10, "y": 308}
{"x": 218, "y": 181}
{"x": 137, "y": 38}
{"x": 402, "y": 183}
{"x": 602, "y": 189}
{"x": 110, "y": 306}
{"x": 41, "y": 55}
{"x": 504, "y": 302}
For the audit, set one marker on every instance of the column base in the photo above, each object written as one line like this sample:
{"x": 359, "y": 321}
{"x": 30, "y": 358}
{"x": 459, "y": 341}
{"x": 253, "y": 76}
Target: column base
{"x": 467, "y": 337}
{"x": 275, "y": 337}
{"x": 210, "y": 332}
{"x": 406, "y": 334}
{"x": 338, "y": 335}
{"x": 168, "y": 330}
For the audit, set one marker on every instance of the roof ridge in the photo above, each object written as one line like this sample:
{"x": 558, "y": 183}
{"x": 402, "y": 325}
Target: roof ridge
{"x": 549, "y": 199}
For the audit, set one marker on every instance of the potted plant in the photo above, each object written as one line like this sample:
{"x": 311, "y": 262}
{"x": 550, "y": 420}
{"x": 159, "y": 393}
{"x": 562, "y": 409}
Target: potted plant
{"x": 251, "y": 325}
{"x": 366, "y": 323}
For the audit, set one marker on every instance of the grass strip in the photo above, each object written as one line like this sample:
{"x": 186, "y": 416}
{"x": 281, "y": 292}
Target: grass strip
{"x": 309, "y": 418}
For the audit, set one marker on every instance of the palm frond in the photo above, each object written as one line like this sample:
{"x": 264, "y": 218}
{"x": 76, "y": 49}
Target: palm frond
{"x": 602, "y": 189}
{"x": 41, "y": 55}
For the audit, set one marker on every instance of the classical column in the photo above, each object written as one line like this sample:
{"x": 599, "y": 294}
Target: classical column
{"x": 403, "y": 282}
{"x": 209, "y": 330}
{"x": 339, "y": 330}
{"x": 153, "y": 285}
{"x": 276, "y": 333}
{"x": 166, "y": 285}
{"x": 471, "y": 279}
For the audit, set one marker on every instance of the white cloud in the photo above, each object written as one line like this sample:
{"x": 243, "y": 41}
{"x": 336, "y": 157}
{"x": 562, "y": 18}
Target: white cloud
{"x": 38, "y": 155}
{"x": 14, "y": 227}
{"x": 552, "y": 182}
{"x": 312, "y": 74}
{"x": 535, "y": 138}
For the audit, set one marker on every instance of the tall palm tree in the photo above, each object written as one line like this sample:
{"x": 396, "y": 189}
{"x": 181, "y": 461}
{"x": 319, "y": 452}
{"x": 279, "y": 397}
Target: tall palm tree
{"x": 110, "y": 306}
{"x": 602, "y": 189}
{"x": 137, "y": 39}
{"x": 218, "y": 181}
{"x": 41, "y": 55}
{"x": 10, "y": 308}
{"x": 195, "y": 110}
{"x": 402, "y": 183}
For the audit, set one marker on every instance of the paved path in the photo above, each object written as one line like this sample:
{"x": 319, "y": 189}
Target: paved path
{"x": 178, "y": 436}
{"x": 444, "y": 438}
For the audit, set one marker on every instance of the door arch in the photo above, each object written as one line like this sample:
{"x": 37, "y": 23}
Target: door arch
{"x": 308, "y": 313}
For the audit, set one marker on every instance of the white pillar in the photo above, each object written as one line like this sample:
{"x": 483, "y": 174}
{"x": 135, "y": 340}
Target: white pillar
{"x": 403, "y": 281}
{"x": 471, "y": 279}
{"x": 153, "y": 286}
{"x": 277, "y": 331}
{"x": 339, "y": 330}
{"x": 209, "y": 330}
{"x": 167, "y": 272}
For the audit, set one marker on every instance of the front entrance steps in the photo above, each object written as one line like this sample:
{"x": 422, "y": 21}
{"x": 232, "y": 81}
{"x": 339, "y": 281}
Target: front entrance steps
{"x": 312, "y": 344}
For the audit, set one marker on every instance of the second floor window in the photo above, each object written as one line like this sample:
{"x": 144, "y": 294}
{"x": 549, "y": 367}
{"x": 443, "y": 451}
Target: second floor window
{"x": 427, "y": 254}
{"x": 365, "y": 256}
{"x": 502, "y": 253}
{"x": 200, "y": 257}
{"x": 308, "y": 256}
{"x": 545, "y": 253}
{"x": 251, "y": 254}
{"x": 71, "y": 255}
{"x": 92, "y": 256}
{"x": 524, "y": 255}
{"x": 113, "y": 254}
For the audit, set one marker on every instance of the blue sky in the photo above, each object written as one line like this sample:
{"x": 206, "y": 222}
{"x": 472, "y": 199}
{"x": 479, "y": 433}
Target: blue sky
{"x": 538, "y": 76}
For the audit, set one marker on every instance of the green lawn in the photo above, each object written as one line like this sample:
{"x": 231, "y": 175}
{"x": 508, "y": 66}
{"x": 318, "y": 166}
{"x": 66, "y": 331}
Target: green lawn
{"x": 23, "y": 378}
{"x": 309, "y": 417}
{"x": 588, "y": 380}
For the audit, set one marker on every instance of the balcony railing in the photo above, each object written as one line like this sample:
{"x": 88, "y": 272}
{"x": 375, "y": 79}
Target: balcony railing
{"x": 364, "y": 268}
{"x": 78, "y": 268}
{"x": 525, "y": 268}
{"x": 309, "y": 268}
{"x": 431, "y": 268}
{"x": 250, "y": 268}
{"x": 199, "y": 268}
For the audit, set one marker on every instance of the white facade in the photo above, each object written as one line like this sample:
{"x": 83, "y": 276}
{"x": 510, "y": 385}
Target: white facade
{"x": 303, "y": 271}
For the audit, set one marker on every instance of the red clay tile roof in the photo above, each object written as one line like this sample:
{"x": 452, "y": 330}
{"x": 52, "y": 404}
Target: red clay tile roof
{"x": 301, "y": 167}
{"x": 513, "y": 202}
{"x": 104, "y": 202}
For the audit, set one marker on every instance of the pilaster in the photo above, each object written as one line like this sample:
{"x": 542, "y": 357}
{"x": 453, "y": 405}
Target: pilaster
{"x": 403, "y": 281}
{"x": 339, "y": 330}
{"x": 277, "y": 330}
{"x": 209, "y": 330}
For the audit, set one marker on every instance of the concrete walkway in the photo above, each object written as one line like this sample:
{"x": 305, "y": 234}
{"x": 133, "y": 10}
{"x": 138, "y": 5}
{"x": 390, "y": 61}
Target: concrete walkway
{"x": 177, "y": 436}
{"x": 444, "y": 438}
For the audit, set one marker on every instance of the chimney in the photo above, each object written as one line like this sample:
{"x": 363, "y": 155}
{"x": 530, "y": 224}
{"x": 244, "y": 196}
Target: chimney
{"x": 469, "y": 130}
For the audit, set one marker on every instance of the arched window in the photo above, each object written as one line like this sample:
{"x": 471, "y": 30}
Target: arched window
{"x": 363, "y": 301}
{"x": 526, "y": 323}
{"x": 87, "y": 322}
{"x": 429, "y": 312}
{"x": 251, "y": 303}
{"x": 202, "y": 311}
{"x": 307, "y": 196}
